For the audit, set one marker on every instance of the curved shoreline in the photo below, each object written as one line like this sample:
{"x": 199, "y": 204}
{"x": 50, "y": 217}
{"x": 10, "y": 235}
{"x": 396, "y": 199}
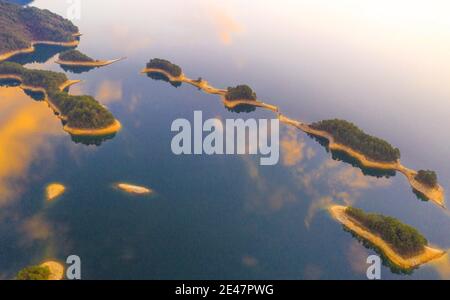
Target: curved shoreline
{"x": 94, "y": 132}
{"x": 93, "y": 64}
{"x": 31, "y": 49}
{"x": 436, "y": 195}
{"x": 207, "y": 88}
{"x": 339, "y": 214}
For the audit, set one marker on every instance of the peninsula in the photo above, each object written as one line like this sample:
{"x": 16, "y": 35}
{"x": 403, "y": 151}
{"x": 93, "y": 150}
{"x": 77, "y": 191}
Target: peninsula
{"x": 232, "y": 97}
{"x": 74, "y": 58}
{"x": 25, "y": 27}
{"x": 341, "y": 135}
{"x": 81, "y": 115}
{"x": 403, "y": 245}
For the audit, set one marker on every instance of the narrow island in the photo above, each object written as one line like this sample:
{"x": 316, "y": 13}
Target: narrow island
{"x": 134, "y": 189}
{"x": 74, "y": 58}
{"x": 50, "y": 270}
{"x": 402, "y": 244}
{"x": 25, "y": 27}
{"x": 54, "y": 191}
{"x": 341, "y": 136}
{"x": 232, "y": 97}
{"x": 371, "y": 152}
{"x": 81, "y": 115}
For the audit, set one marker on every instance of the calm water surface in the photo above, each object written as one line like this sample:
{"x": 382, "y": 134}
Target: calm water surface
{"x": 225, "y": 217}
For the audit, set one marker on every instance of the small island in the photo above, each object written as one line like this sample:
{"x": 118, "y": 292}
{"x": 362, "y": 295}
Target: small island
{"x": 81, "y": 115}
{"x": 54, "y": 191}
{"x": 74, "y": 58}
{"x": 25, "y": 27}
{"x": 134, "y": 189}
{"x": 50, "y": 270}
{"x": 402, "y": 244}
{"x": 427, "y": 178}
{"x": 243, "y": 95}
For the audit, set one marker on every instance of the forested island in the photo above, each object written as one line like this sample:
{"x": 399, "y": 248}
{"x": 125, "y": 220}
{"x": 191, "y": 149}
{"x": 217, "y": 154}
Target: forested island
{"x": 165, "y": 65}
{"x": 348, "y": 134}
{"x": 402, "y": 244}
{"x": 75, "y": 55}
{"x": 22, "y": 27}
{"x": 74, "y": 58}
{"x": 81, "y": 114}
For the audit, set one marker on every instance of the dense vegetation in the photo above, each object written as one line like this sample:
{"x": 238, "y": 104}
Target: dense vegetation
{"x": 427, "y": 177}
{"x": 21, "y": 25}
{"x": 406, "y": 240}
{"x": 241, "y": 92}
{"x": 350, "y": 135}
{"x": 34, "y": 273}
{"x": 165, "y": 65}
{"x": 81, "y": 111}
{"x": 74, "y": 55}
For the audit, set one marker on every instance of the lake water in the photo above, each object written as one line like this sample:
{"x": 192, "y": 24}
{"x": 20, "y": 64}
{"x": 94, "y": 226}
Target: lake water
{"x": 379, "y": 65}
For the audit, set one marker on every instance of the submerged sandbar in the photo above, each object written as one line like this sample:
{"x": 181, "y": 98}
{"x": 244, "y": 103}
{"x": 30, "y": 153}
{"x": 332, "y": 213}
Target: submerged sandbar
{"x": 54, "y": 191}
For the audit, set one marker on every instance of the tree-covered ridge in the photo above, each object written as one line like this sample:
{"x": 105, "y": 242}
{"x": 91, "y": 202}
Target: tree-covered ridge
{"x": 240, "y": 92}
{"x": 81, "y": 111}
{"x": 22, "y": 25}
{"x": 34, "y": 273}
{"x": 350, "y": 135}
{"x": 75, "y": 55}
{"x": 427, "y": 177}
{"x": 406, "y": 240}
{"x": 165, "y": 65}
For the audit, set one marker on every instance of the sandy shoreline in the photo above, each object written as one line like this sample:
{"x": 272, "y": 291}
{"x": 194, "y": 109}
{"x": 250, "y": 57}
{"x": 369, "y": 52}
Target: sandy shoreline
{"x": 429, "y": 254}
{"x": 93, "y": 64}
{"x": 109, "y": 130}
{"x": 31, "y": 49}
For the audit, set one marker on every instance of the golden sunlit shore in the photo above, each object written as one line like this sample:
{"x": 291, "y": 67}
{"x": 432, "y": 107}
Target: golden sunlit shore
{"x": 32, "y": 48}
{"x": 436, "y": 195}
{"x": 207, "y": 88}
{"x": 134, "y": 189}
{"x": 56, "y": 270}
{"x": 54, "y": 191}
{"x": 429, "y": 254}
{"x": 93, "y": 64}
{"x": 97, "y": 132}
